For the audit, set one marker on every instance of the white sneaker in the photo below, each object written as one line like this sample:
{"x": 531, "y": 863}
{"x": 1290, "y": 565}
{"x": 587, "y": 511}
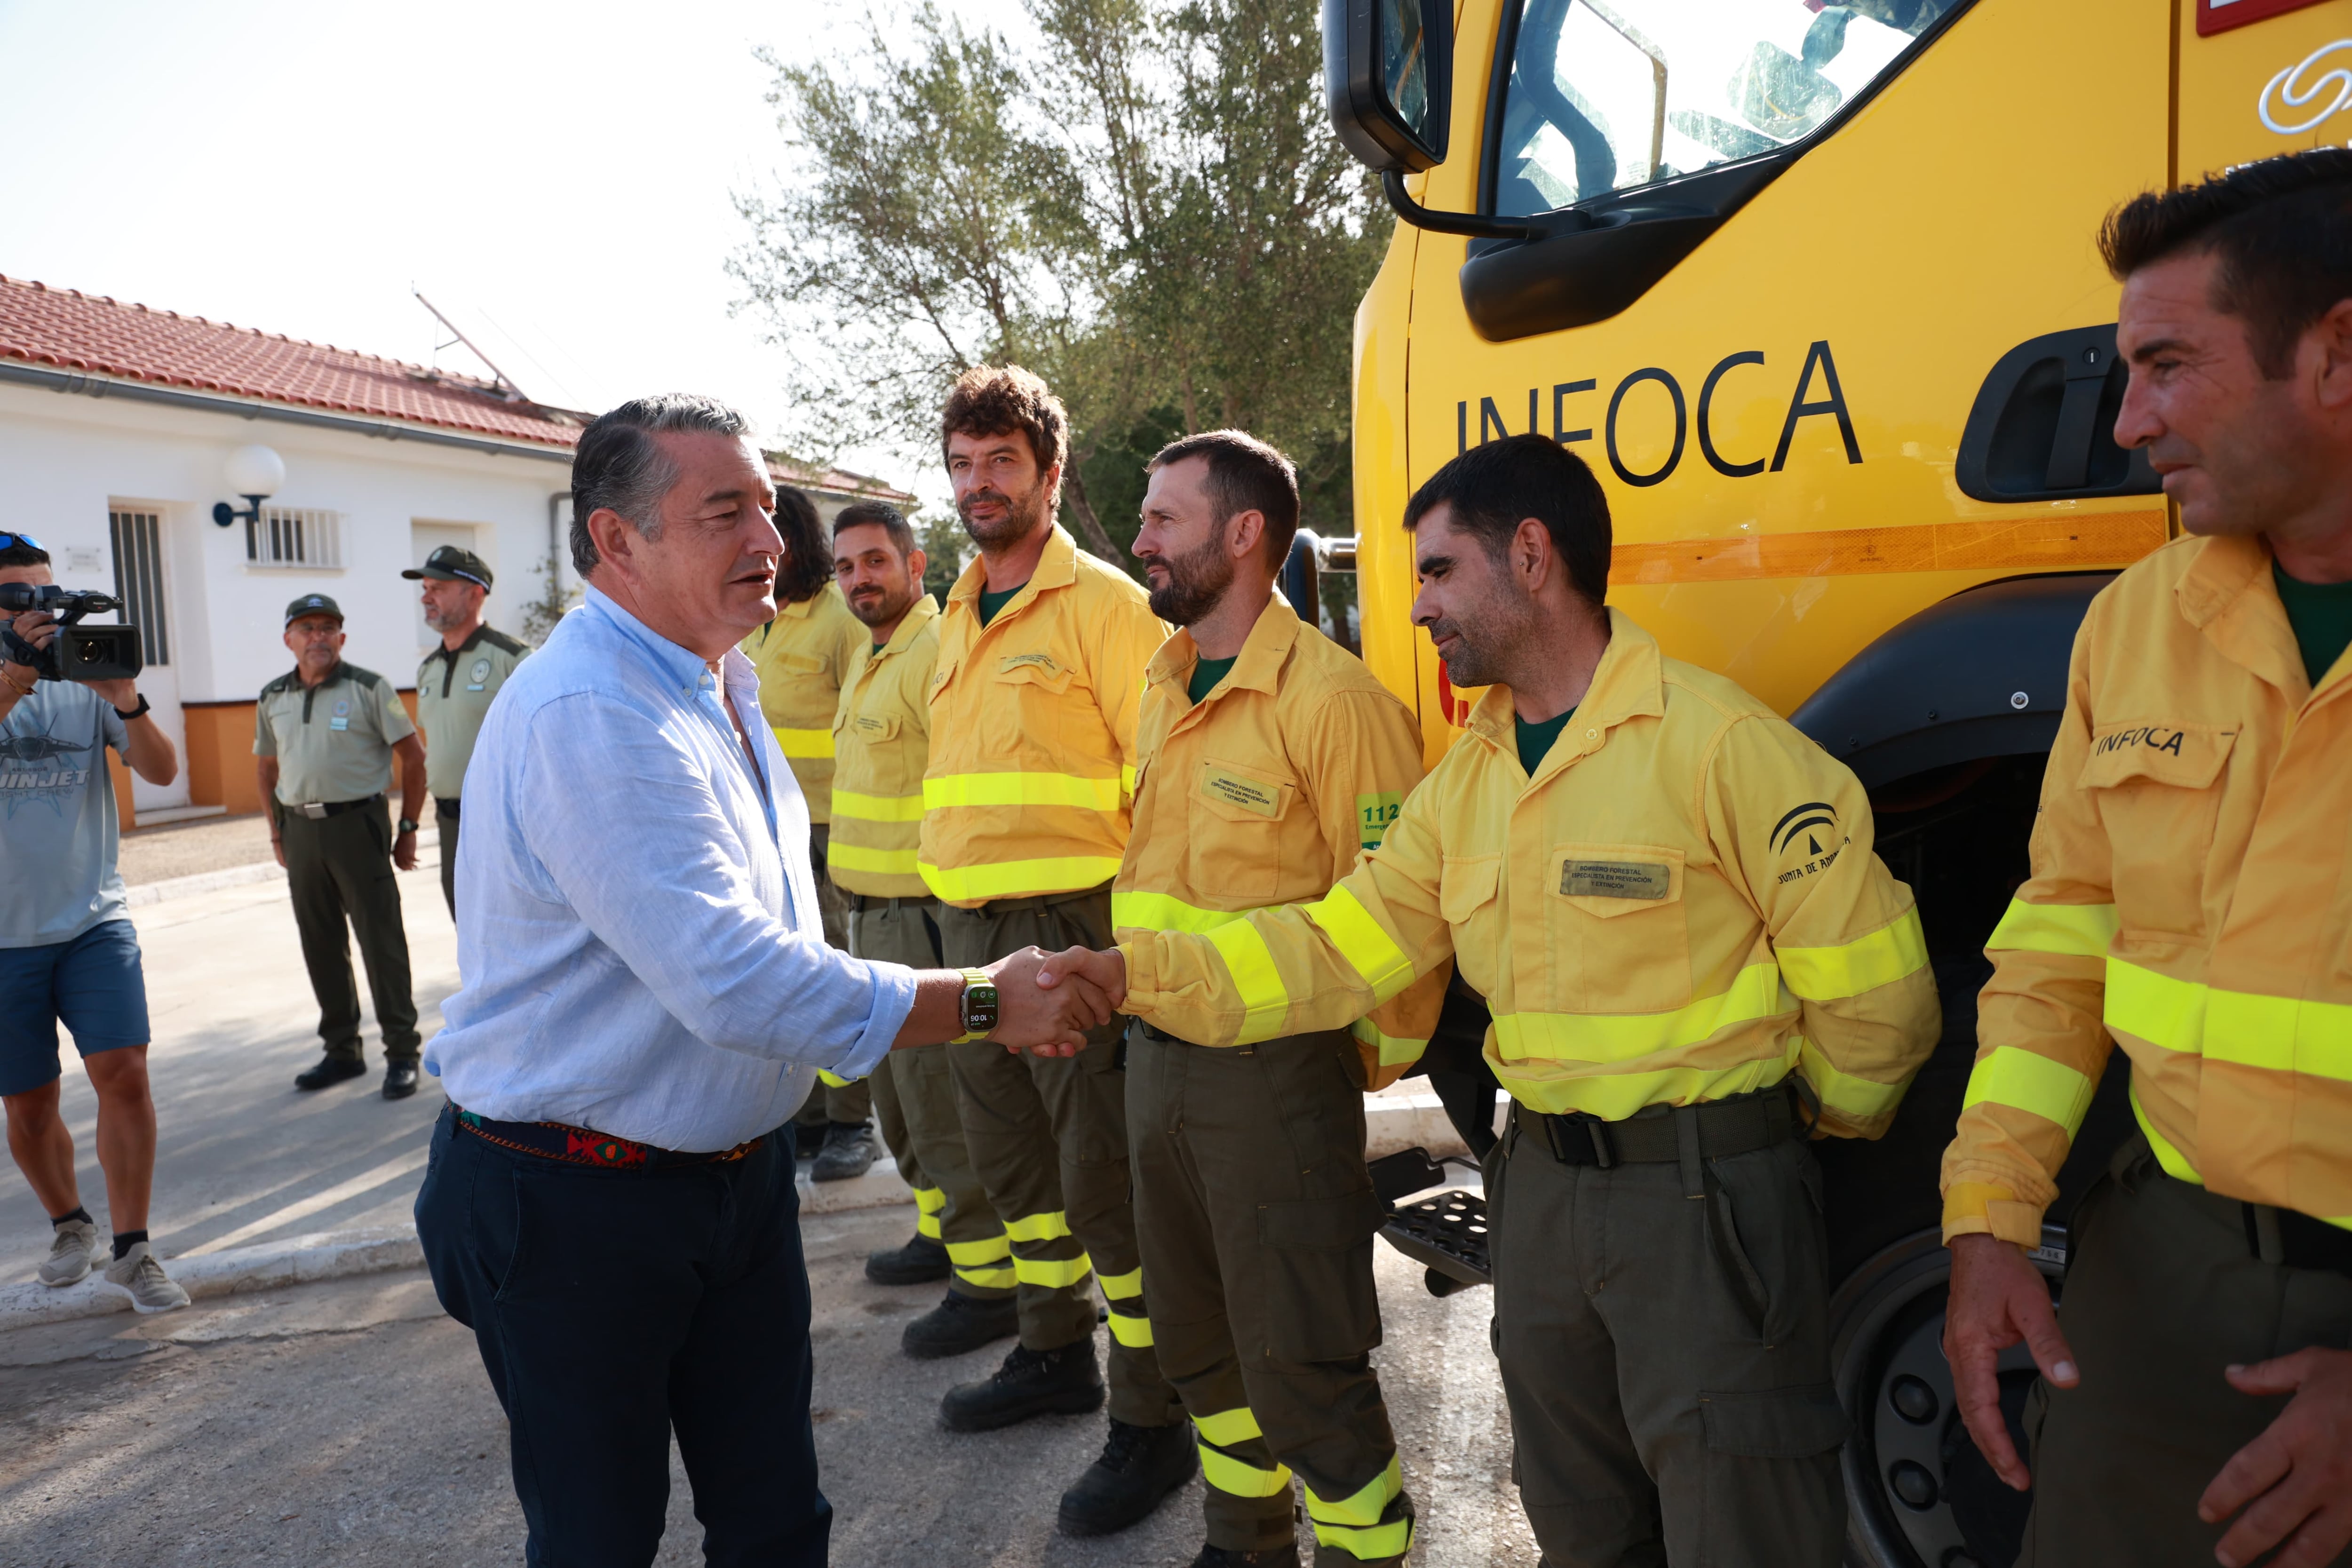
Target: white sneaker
{"x": 69, "y": 1260}
{"x": 150, "y": 1289}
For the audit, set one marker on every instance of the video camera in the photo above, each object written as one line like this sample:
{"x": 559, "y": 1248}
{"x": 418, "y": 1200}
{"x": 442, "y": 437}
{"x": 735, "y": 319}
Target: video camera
{"x": 77, "y": 652}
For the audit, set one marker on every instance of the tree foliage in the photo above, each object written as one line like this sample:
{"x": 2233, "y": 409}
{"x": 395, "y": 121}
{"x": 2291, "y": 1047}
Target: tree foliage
{"x": 1139, "y": 200}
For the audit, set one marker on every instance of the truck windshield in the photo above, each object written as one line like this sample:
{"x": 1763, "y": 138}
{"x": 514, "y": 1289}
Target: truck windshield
{"x": 1606, "y": 95}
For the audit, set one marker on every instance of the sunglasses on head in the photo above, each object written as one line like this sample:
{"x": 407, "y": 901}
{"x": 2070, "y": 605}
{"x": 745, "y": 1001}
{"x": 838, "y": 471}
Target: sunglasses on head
{"x": 10, "y": 541}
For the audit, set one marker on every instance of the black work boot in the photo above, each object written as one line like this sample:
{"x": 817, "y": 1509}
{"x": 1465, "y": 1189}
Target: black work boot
{"x": 331, "y": 1070}
{"x": 960, "y": 1323}
{"x": 1284, "y": 1556}
{"x": 1139, "y": 1466}
{"x": 399, "y": 1080}
{"x": 920, "y": 1262}
{"x": 1066, "y": 1381}
{"x": 848, "y": 1151}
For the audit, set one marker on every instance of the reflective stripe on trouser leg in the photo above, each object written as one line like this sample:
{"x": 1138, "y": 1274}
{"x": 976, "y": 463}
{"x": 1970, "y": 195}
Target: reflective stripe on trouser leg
{"x": 1373, "y": 1523}
{"x": 929, "y": 1201}
{"x": 985, "y": 1265}
{"x": 1123, "y": 1293}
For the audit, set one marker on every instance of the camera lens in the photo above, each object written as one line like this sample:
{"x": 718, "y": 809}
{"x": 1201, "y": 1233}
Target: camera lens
{"x": 89, "y": 652}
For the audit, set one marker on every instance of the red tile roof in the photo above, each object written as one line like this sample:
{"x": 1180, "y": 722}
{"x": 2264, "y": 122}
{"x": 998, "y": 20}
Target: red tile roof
{"x": 101, "y": 336}
{"x": 789, "y": 471}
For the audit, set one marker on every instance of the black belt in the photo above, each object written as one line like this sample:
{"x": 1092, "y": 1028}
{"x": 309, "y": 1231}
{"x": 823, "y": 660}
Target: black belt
{"x": 445, "y": 807}
{"x": 2295, "y": 1239}
{"x": 864, "y": 903}
{"x": 1721, "y": 1127}
{"x": 316, "y": 810}
{"x": 583, "y": 1146}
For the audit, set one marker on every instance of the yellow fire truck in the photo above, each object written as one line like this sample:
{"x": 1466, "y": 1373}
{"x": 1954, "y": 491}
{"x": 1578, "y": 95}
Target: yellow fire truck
{"x": 1813, "y": 289}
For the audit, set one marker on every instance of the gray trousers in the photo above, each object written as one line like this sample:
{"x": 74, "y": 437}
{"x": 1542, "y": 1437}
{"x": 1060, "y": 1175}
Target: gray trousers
{"x": 1667, "y": 1359}
{"x": 851, "y": 1104}
{"x": 2163, "y": 1291}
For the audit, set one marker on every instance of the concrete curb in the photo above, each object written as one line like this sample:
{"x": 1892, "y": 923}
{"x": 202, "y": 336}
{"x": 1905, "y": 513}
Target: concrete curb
{"x": 298, "y": 1260}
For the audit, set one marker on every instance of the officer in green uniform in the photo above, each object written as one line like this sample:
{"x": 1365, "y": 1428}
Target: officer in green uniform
{"x": 325, "y": 734}
{"x": 454, "y": 684}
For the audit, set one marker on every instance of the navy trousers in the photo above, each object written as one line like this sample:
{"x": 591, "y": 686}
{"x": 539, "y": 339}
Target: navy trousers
{"x": 614, "y": 1308}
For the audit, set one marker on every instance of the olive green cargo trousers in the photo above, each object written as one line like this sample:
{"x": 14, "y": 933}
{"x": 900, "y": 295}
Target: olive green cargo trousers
{"x": 340, "y": 867}
{"x": 1256, "y": 1217}
{"x": 915, "y": 1101}
{"x": 1048, "y": 1137}
{"x": 2166, "y": 1286}
{"x": 1665, "y": 1357}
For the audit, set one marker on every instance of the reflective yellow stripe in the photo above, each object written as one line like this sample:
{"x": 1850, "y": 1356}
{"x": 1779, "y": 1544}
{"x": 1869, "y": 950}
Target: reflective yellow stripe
{"x": 988, "y": 1279}
{"x": 1038, "y": 1226}
{"x": 1362, "y": 943}
{"x": 2170, "y": 1158}
{"x": 1827, "y": 974}
{"x": 2081, "y": 930}
{"x": 2166, "y": 1013}
{"x": 1259, "y": 983}
{"x": 1054, "y": 1273}
{"x": 1394, "y": 1050}
{"x": 1126, "y": 1287}
{"x": 1018, "y": 878}
{"x": 995, "y": 1249}
{"x": 1227, "y": 1427}
{"x": 876, "y": 807}
{"x": 1237, "y": 1478}
{"x": 832, "y": 1080}
{"x": 805, "y": 743}
{"x": 928, "y": 1224}
{"x": 1375, "y": 1544}
{"x": 1602, "y": 1037}
{"x": 1134, "y": 1333}
{"x": 1021, "y": 789}
{"x": 2280, "y": 1034}
{"x": 1365, "y": 1507}
{"x": 1158, "y": 911}
{"x": 858, "y": 857}
{"x": 1126, "y": 779}
{"x": 2017, "y": 1077}
{"x": 1858, "y": 1098}
{"x": 929, "y": 1200}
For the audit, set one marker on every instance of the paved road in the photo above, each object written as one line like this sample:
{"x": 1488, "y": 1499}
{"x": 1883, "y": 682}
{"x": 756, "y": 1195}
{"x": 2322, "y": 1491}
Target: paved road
{"x": 350, "y": 1423}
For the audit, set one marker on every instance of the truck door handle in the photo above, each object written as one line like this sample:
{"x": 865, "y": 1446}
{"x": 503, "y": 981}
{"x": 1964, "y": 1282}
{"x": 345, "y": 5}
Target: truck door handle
{"x": 2042, "y": 427}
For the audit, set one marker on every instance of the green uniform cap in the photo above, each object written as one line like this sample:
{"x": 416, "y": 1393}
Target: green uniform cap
{"x": 451, "y": 564}
{"x": 313, "y": 605}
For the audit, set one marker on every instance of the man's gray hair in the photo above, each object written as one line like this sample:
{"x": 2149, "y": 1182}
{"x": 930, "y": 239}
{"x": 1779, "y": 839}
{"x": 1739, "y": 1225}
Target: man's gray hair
{"x": 617, "y": 463}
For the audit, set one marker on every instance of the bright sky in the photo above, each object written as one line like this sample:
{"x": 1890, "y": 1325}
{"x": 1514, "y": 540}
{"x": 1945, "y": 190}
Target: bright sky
{"x": 558, "y": 178}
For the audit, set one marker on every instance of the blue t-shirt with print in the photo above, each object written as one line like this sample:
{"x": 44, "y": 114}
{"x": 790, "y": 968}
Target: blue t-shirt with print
{"x": 59, "y": 831}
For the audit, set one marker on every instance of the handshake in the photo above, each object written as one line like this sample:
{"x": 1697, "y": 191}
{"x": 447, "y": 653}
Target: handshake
{"x": 1045, "y": 1001}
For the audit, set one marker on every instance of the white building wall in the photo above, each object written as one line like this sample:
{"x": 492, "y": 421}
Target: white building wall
{"x": 66, "y": 459}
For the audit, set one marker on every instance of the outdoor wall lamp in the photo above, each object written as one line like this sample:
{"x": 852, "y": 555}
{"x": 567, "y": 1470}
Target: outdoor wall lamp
{"x": 255, "y": 473}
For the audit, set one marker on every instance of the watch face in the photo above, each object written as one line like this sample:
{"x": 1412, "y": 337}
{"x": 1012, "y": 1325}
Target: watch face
{"x": 979, "y": 1009}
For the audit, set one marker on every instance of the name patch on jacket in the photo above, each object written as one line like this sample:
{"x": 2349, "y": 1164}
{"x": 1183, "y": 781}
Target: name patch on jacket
{"x": 2155, "y": 737}
{"x": 1043, "y": 661}
{"x": 1249, "y": 794}
{"x": 1615, "y": 879}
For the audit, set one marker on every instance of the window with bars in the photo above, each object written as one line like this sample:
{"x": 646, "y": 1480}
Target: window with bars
{"x": 294, "y": 536}
{"x": 138, "y": 580}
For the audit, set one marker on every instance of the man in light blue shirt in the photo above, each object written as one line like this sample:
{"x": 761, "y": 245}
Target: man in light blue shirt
{"x": 647, "y": 995}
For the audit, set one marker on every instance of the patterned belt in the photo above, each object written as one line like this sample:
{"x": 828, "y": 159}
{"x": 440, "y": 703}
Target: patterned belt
{"x": 582, "y": 1146}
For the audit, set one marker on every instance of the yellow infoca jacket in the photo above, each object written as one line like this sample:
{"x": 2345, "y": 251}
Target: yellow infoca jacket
{"x": 1266, "y": 792}
{"x": 1682, "y": 904}
{"x": 1033, "y": 730}
{"x": 881, "y": 743}
{"x": 801, "y": 656}
{"x": 2190, "y": 901}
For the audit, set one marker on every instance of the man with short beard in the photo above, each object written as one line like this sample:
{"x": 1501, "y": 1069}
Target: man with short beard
{"x": 1695, "y": 964}
{"x": 882, "y": 742}
{"x": 1027, "y": 808}
{"x": 1268, "y": 759}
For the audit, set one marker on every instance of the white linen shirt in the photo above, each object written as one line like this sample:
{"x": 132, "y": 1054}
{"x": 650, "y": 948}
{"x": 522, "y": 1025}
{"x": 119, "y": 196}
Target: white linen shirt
{"x": 637, "y": 925}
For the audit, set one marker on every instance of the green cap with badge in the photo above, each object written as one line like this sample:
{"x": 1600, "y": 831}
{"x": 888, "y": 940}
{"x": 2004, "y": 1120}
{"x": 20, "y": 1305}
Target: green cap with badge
{"x": 313, "y": 605}
{"x": 450, "y": 564}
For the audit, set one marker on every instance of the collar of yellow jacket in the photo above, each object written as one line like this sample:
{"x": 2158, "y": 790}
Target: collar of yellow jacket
{"x": 1057, "y": 568}
{"x": 1258, "y": 667}
{"x": 2227, "y": 594}
{"x": 1629, "y": 683}
{"x": 921, "y": 613}
{"x": 801, "y": 609}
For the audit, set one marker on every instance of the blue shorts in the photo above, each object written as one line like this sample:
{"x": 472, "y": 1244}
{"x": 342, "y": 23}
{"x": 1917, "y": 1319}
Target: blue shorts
{"x": 93, "y": 984}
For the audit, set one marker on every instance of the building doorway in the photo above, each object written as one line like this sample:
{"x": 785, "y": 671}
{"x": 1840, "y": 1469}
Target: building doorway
{"x": 424, "y": 539}
{"x": 143, "y": 583}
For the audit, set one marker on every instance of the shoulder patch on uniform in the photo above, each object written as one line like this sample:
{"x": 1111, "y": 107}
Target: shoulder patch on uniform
{"x": 498, "y": 639}
{"x": 1373, "y": 815}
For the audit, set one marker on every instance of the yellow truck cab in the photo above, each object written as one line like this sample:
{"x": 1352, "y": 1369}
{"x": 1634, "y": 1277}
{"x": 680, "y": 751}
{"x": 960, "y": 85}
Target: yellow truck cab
{"x": 1812, "y": 287}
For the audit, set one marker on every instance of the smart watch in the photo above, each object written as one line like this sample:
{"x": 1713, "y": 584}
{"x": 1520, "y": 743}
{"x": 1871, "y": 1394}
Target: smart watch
{"x": 144, "y": 707}
{"x": 979, "y": 1007}
{"x": 406, "y": 825}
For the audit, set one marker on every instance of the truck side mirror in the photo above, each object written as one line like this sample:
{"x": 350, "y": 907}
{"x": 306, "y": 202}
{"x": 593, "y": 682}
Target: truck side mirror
{"x": 1388, "y": 78}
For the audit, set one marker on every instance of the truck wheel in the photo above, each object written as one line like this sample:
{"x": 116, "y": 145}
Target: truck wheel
{"x": 1918, "y": 1495}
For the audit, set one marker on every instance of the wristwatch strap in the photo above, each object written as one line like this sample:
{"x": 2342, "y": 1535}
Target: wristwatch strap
{"x": 971, "y": 977}
{"x": 406, "y": 825}
{"x": 144, "y": 707}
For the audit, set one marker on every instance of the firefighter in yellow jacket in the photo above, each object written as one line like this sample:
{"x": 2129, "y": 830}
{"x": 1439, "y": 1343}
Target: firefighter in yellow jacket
{"x": 2190, "y": 903}
{"x": 1693, "y": 958}
{"x": 803, "y": 657}
{"x": 1262, "y": 772}
{"x": 1025, "y": 813}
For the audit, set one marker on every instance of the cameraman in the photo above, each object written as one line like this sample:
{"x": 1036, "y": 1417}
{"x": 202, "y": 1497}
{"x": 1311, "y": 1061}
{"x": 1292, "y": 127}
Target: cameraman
{"x": 67, "y": 950}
